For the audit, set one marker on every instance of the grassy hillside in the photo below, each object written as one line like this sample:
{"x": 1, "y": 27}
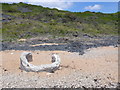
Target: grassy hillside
{"x": 25, "y": 21}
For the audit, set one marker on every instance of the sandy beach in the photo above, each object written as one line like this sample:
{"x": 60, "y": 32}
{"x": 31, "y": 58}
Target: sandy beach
{"x": 97, "y": 67}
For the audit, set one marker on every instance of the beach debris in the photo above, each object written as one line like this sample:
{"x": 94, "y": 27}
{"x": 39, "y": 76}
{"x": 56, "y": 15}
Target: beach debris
{"x": 11, "y": 53}
{"x": 48, "y": 74}
{"x": 4, "y": 69}
{"x": 26, "y": 57}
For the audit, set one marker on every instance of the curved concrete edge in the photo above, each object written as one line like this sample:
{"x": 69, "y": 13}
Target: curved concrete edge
{"x": 26, "y": 57}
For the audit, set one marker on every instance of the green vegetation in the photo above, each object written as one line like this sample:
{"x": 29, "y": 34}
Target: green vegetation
{"x": 25, "y": 21}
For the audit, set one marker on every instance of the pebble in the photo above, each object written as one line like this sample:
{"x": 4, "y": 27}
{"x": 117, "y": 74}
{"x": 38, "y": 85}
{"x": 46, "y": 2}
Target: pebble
{"x": 11, "y": 53}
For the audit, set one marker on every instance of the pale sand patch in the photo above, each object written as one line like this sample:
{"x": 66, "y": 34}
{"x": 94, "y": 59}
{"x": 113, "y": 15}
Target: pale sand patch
{"x": 95, "y": 60}
{"x": 42, "y": 44}
{"x": 22, "y": 40}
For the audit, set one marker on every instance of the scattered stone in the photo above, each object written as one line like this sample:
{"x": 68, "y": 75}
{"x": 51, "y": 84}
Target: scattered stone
{"x": 95, "y": 80}
{"x": 5, "y": 69}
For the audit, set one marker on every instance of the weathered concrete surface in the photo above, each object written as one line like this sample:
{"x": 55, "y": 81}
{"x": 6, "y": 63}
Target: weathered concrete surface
{"x": 26, "y": 57}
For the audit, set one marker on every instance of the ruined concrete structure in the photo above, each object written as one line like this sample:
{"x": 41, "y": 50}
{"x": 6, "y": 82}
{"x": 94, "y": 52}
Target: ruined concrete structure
{"x": 26, "y": 57}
